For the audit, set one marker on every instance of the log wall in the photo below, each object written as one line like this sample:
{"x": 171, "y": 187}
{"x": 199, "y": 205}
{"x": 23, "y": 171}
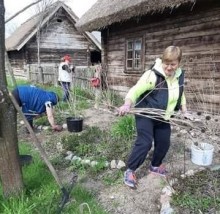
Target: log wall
{"x": 196, "y": 31}
{"x": 57, "y": 38}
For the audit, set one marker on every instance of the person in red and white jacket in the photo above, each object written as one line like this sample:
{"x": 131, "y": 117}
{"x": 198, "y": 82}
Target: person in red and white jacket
{"x": 65, "y": 76}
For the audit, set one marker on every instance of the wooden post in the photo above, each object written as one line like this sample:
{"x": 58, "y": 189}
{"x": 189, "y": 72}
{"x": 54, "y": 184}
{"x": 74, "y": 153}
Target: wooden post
{"x": 41, "y": 75}
{"x": 9, "y": 68}
{"x": 98, "y": 92}
{"x": 56, "y": 75}
{"x": 28, "y": 72}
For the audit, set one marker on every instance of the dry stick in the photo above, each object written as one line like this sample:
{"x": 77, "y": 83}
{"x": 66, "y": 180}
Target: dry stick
{"x": 66, "y": 193}
{"x": 36, "y": 142}
{"x": 154, "y": 115}
{"x": 156, "y": 112}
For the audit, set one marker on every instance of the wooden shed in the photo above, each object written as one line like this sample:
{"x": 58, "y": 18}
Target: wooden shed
{"x": 135, "y": 33}
{"x": 50, "y": 34}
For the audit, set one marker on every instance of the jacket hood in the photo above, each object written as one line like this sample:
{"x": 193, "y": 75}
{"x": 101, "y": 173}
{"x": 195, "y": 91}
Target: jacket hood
{"x": 159, "y": 69}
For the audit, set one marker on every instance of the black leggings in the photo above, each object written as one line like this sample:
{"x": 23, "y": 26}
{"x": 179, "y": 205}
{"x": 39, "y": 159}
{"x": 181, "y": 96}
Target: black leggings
{"x": 149, "y": 130}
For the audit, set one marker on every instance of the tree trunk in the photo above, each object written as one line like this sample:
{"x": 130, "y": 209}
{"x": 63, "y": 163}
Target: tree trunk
{"x": 10, "y": 170}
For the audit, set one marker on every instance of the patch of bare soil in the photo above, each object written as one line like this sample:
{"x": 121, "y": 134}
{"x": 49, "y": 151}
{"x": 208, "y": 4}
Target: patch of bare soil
{"x": 101, "y": 118}
{"x": 120, "y": 199}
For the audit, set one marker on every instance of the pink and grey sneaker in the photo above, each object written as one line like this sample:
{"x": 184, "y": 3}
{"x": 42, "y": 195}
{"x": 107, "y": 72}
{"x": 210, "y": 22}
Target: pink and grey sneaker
{"x": 160, "y": 170}
{"x": 130, "y": 178}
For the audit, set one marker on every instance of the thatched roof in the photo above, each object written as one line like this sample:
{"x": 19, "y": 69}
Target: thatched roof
{"x": 106, "y": 12}
{"x": 28, "y": 29}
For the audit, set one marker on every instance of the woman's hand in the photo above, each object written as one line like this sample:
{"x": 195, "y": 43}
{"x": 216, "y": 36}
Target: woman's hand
{"x": 124, "y": 109}
{"x": 57, "y": 128}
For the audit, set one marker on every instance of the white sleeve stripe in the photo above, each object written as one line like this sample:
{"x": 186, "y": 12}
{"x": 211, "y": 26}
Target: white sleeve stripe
{"x": 48, "y": 104}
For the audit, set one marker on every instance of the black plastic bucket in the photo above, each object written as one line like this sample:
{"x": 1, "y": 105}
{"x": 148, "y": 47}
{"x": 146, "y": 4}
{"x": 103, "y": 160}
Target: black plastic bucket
{"x": 74, "y": 124}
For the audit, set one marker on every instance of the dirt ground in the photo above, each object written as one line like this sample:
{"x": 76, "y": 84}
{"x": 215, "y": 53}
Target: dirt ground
{"x": 120, "y": 199}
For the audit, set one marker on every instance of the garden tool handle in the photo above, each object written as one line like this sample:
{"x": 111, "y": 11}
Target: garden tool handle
{"x": 36, "y": 142}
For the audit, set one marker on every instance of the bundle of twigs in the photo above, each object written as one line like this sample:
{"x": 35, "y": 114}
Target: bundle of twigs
{"x": 158, "y": 114}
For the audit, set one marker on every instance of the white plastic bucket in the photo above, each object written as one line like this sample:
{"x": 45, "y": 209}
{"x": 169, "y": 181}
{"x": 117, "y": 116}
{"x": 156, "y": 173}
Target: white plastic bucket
{"x": 202, "y": 154}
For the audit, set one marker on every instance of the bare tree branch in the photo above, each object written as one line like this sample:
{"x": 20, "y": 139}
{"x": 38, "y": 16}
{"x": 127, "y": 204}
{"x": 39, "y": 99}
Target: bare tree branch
{"x": 9, "y": 19}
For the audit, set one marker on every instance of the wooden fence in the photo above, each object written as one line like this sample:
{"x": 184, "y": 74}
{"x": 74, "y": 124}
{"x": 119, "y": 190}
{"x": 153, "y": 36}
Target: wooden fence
{"x": 48, "y": 74}
{"x": 202, "y": 93}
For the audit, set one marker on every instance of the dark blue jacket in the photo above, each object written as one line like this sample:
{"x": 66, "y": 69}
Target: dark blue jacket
{"x": 33, "y": 99}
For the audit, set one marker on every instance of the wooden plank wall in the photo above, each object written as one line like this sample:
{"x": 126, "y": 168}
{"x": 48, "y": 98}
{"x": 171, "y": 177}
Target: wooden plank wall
{"x": 59, "y": 38}
{"x": 197, "y": 33}
{"x": 17, "y": 59}
{"x": 79, "y": 57}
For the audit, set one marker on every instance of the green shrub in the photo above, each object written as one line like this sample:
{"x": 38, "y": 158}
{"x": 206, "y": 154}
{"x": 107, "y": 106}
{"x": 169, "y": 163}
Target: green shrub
{"x": 112, "y": 98}
{"x": 42, "y": 121}
{"x": 117, "y": 148}
{"x": 83, "y": 93}
{"x": 124, "y": 127}
{"x": 113, "y": 178}
{"x": 10, "y": 83}
{"x": 83, "y": 144}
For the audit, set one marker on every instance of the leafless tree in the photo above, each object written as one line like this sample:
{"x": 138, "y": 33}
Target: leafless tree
{"x": 10, "y": 170}
{"x": 41, "y": 9}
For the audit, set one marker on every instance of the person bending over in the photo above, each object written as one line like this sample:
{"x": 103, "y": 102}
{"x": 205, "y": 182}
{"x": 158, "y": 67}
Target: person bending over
{"x": 35, "y": 101}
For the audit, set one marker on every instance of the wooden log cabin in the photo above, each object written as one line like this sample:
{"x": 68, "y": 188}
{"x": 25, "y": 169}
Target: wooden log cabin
{"x": 135, "y": 33}
{"x": 55, "y": 28}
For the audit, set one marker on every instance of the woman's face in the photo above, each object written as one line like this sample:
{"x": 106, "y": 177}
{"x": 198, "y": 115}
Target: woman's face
{"x": 170, "y": 67}
{"x": 67, "y": 61}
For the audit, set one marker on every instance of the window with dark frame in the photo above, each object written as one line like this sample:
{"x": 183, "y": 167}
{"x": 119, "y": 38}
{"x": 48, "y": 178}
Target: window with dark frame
{"x": 134, "y": 54}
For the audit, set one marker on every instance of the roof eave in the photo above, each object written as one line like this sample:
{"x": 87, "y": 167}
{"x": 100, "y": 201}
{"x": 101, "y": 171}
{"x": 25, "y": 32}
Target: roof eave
{"x": 99, "y": 23}
{"x": 94, "y": 40}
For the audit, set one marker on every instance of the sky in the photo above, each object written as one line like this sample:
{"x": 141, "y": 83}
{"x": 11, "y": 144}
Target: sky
{"x": 79, "y": 7}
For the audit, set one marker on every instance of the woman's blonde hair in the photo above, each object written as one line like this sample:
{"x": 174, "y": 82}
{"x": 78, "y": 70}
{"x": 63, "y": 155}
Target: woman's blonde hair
{"x": 172, "y": 53}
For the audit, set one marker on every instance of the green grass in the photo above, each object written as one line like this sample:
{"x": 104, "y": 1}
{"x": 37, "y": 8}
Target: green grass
{"x": 18, "y": 82}
{"x": 199, "y": 193}
{"x": 83, "y": 144}
{"x": 124, "y": 127}
{"x": 42, "y": 194}
{"x": 112, "y": 98}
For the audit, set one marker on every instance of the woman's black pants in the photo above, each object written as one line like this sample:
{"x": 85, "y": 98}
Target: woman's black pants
{"x": 149, "y": 131}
